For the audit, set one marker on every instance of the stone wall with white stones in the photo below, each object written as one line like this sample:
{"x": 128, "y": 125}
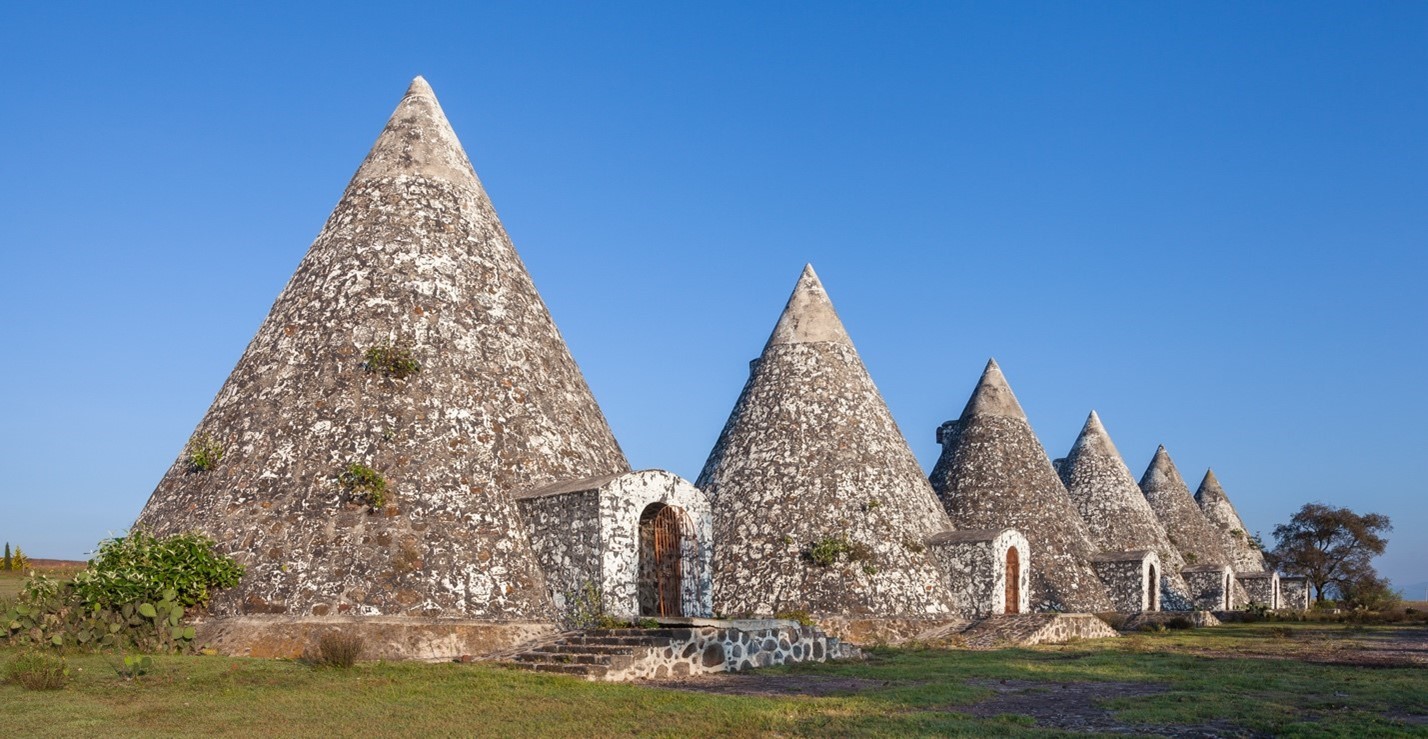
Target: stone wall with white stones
{"x": 1294, "y": 592}
{"x": 1262, "y": 588}
{"x": 586, "y": 534}
{"x": 1212, "y": 587}
{"x": 743, "y": 645}
{"x": 976, "y": 567}
{"x": 1133, "y": 579}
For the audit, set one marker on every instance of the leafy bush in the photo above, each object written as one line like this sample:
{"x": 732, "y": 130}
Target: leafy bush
{"x": 391, "y": 360}
{"x": 338, "y": 649}
{"x": 37, "y": 671}
{"x": 366, "y": 483}
{"x": 134, "y": 594}
{"x": 204, "y": 453}
{"x": 142, "y": 568}
{"x": 1180, "y": 622}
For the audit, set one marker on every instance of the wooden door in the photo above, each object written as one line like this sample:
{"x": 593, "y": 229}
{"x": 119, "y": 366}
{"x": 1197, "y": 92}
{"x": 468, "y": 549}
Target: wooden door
{"x": 667, "y": 565}
{"x": 1013, "y": 604}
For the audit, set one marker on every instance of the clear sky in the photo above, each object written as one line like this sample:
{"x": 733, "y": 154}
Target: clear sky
{"x": 1207, "y": 221}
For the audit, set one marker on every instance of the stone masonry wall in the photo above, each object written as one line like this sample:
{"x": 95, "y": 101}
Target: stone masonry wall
{"x": 1262, "y": 588}
{"x": 1128, "y": 578}
{"x": 1211, "y": 587}
{"x": 976, "y": 567}
{"x": 707, "y": 649}
{"x": 565, "y": 531}
{"x": 1294, "y": 592}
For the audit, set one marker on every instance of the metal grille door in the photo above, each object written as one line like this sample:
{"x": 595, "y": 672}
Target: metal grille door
{"x": 1013, "y": 604}
{"x": 667, "y": 564}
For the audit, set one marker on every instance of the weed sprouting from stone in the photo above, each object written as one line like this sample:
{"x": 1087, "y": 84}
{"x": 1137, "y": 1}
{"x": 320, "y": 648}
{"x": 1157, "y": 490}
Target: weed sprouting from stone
{"x": 391, "y": 360}
{"x": 204, "y": 454}
{"x": 828, "y": 551}
{"x": 366, "y": 483}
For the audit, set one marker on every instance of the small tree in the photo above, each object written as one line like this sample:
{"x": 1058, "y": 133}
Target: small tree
{"x": 18, "y": 561}
{"x": 9, "y": 563}
{"x": 1331, "y": 547}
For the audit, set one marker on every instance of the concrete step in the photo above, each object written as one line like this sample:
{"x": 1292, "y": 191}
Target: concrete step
{"x": 557, "y": 658}
{"x": 618, "y": 641}
{"x": 585, "y": 671}
{"x": 667, "y": 633}
{"x": 585, "y": 648}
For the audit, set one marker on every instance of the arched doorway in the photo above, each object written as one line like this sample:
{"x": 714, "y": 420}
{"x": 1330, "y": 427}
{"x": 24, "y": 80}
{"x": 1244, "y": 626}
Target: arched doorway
{"x": 1152, "y": 590}
{"x": 1013, "y": 599}
{"x": 1229, "y": 592}
{"x": 661, "y": 561}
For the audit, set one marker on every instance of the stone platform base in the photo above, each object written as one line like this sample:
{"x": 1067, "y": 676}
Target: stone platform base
{"x": 1029, "y": 629}
{"x": 677, "y": 648}
{"x": 386, "y": 637}
{"x": 869, "y": 631}
{"x": 1196, "y": 618}
{"x": 1020, "y": 630}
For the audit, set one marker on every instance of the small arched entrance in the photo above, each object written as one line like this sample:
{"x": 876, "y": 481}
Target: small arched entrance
{"x": 661, "y": 583}
{"x": 1152, "y": 590}
{"x": 1013, "y": 596}
{"x": 1229, "y": 592}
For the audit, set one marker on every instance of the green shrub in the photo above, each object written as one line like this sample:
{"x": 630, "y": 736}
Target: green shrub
{"x": 37, "y": 671}
{"x": 827, "y": 552}
{"x": 1180, "y": 622}
{"x": 204, "y": 453}
{"x": 338, "y": 649}
{"x": 391, "y": 360}
{"x": 366, "y": 483}
{"x": 142, "y": 568}
{"x": 134, "y": 594}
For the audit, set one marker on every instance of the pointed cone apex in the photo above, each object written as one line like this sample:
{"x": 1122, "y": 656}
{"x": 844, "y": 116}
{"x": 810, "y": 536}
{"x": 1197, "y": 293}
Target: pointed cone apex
{"x": 1093, "y": 438}
{"x": 1209, "y": 488}
{"x": 419, "y": 86}
{"x": 418, "y": 141}
{"x": 993, "y": 396}
{"x": 1161, "y": 471}
{"x": 809, "y": 315}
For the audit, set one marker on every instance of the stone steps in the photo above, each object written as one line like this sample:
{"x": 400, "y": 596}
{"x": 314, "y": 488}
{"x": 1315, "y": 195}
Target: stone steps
{"x": 593, "y": 653}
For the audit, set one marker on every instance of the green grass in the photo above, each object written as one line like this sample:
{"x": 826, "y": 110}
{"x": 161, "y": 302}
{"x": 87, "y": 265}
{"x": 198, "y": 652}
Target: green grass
{"x": 10, "y": 583}
{"x": 1247, "y": 685}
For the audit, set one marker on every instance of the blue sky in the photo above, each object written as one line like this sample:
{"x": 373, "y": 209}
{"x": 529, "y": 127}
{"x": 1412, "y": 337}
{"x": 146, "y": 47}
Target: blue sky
{"x": 1204, "y": 220}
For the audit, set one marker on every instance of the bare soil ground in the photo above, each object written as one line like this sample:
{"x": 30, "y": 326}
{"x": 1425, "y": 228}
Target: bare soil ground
{"x": 1080, "y": 706}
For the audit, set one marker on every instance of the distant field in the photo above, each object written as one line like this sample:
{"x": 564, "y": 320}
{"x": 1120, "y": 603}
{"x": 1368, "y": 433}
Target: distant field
{"x": 1235, "y": 680}
{"x": 10, "y": 581}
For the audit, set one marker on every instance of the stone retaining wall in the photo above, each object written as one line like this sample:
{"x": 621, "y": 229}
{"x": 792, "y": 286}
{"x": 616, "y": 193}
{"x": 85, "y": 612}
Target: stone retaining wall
{"x": 709, "y": 649}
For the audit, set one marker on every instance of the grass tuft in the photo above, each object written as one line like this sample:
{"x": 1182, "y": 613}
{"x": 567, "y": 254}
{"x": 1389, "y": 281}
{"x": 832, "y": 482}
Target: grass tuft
{"x": 338, "y": 649}
{"x": 37, "y": 671}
